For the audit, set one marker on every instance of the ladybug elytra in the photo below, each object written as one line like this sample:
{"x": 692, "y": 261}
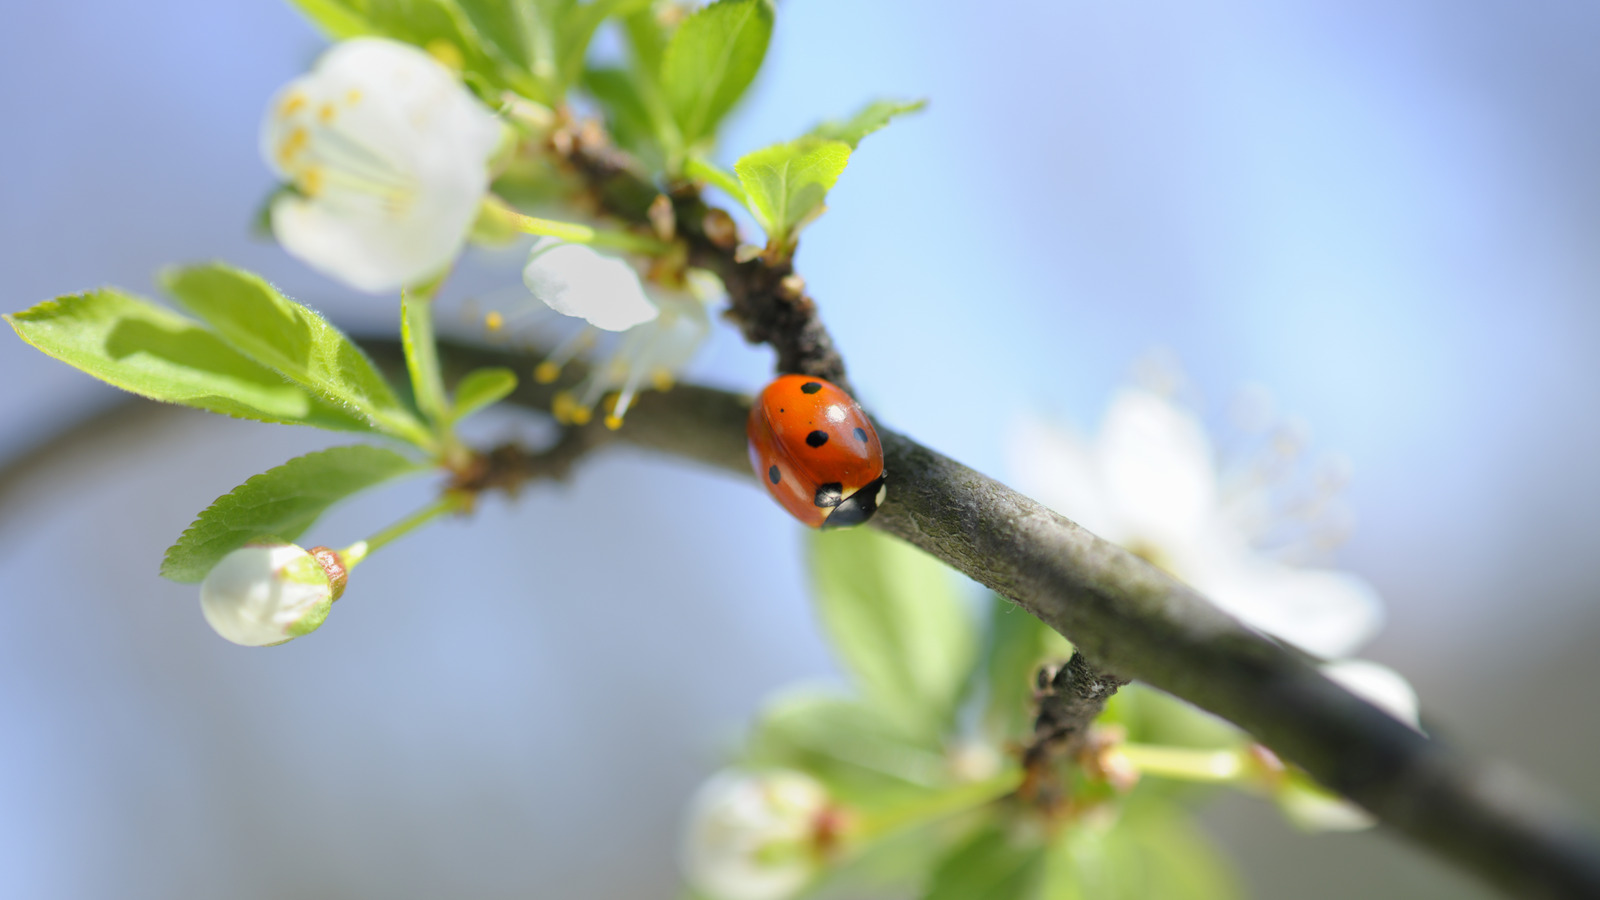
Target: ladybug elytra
{"x": 816, "y": 452}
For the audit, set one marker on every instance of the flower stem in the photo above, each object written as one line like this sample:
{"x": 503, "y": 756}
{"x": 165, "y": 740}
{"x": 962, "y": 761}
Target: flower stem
{"x": 422, "y": 361}
{"x": 452, "y": 501}
{"x": 573, "y": 232}
{"x": 1186, "y": 764}
{"x": 957, "y": 799}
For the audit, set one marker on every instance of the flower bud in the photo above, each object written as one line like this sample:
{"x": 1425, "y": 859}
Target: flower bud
{"x": 266, "y": 594}
{"x": 756, "y": 835}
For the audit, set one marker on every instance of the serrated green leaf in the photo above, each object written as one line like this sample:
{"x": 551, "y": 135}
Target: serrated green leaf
{"x": 149, "y": 350}
{"x": 848, "y": 745}
{"x": 710, "y": 172}
{"x": 281, "y": 334}
{"x": 787, "y": 184}
{"x": 281, "y": 503}
{"x": 710, "y": 62}
{"x": 1018, "y": 644}
{"x": 869, "y": 118}
{"x": 483, "y": 387}
{"x": 897, "y": 625}
{"x": 989, "y": 865}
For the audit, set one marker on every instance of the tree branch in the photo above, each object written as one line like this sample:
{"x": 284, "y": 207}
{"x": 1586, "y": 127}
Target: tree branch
{"x": 1136, "y": 622}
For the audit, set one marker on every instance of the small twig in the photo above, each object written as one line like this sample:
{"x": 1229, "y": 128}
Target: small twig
{"x": 1070, "y": 697}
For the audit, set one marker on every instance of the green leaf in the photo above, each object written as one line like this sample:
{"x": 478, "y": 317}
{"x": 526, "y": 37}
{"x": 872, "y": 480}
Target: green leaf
{"x": 280, "y": 503}
{"x": 433, "y": 25}
{"x": 628, "y": 112}
{"x": 896, "y": 624}
{"x": 151, "y": 351}
{"x": 787, "y": 183}
{"x": 481, "y": 388}
{"x": 1018, "y": 644}
{"x": 279, "y": 333}
{"x": 990, "y": 865}
{"x": 577, "y": 31}
{"x": 711, "y": 60}
{"x": 705, "y": 170}
{"x": 868, "y": 119}
{"x": 862, "y": 757}
{"x": 1151, "y": 851}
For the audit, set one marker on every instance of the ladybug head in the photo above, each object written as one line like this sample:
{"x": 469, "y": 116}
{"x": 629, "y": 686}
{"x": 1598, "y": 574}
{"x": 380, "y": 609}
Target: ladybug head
{"x": 859, "y": 506}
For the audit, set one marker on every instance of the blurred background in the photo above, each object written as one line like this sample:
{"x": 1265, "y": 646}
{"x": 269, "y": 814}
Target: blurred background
{"x": 1386, "y": 214}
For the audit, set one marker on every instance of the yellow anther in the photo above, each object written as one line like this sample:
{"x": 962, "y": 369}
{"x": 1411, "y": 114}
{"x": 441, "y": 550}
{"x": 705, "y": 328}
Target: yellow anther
{"x": 311, "y": 181}
{"x": 613, "y": 421}
{"x": 561, "y": 407}
{"x": 292, "y": 144}
{"x": 494, "y": 321}
{"x": 291, "y": 105}
{"x": 581, "y": 415}
{"x": 325, "y": 113}
{"x": 446, "y": 53}
{"x": 661, "y": 379}
{"x": 352, "y": 96}
{"x": 546, "y": 372}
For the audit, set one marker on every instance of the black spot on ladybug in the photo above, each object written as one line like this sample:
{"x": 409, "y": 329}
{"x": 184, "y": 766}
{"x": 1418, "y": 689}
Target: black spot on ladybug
{"x": 861, "y": 436}
{"x": 772, "y": 474}
{"x": 829, "y": 494}
{"x": 817, "y": 438}
{"x": 811, "y": 387}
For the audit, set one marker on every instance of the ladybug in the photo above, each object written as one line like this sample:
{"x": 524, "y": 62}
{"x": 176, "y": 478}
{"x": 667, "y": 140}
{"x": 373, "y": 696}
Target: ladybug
{"x": 816, "y": 452}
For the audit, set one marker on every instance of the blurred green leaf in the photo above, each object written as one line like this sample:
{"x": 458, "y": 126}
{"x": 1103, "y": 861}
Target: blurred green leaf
{"x": 151, "y": 351}
{"x": 628, "y": 113}
{"x": 1153, "y": 850}
{"x": 436, "y": 24}
{"x": 787, "y": 184}
{"x": 990, "y": 865}
{"x": 893, "y": 618}
{"x": 281, "y": 502}
{"x": 846, "y": 744}
{"x": 711, "y": 60}
{"x": 1153, "y": 717}
{"x": 1018, "y": 644}
{"x": 279, "y": 333}
{"x": 483, "y": 387}
{"x": 578, "y": 27}
{"x": 868, "y": 119}
{"x": 710, "y": 172}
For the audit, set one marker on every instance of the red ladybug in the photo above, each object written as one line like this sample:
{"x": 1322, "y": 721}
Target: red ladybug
{"x": 816, "y": 452}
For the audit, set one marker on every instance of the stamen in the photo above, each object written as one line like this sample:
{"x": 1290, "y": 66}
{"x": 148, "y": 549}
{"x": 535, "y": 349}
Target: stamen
{"x": 576, "y": 343}
{"x": 494, "y": 321}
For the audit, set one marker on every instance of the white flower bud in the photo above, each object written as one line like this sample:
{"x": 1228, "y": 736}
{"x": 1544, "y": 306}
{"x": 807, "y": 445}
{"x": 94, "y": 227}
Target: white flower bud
{"x": 389, "y": 155}
{"x": 270, "y": 593}
{"x": 755, "y": 835}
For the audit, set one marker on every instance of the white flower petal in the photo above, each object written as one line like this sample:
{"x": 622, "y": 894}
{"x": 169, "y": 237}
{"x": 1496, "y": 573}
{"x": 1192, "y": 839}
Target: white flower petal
{"x": 750, "y": 835}
{"x": 390, "y": 154}
{"x": 1380, "y": 685}
{"x": 1324, "y": 612}
{"x": 574, "y": 280}
{"x": 1056, "y": 467}
{"x": 260, "y": 595}
{"x": 1158, "y": 471}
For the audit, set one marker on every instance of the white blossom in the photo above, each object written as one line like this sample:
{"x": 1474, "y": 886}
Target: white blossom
{"x": 754, "y": 835}
{"x": 574, "y": 280}
{"x": 388, "y": 155}
{"x": 1150, "y": 482}
{"x": 267, "y": 594}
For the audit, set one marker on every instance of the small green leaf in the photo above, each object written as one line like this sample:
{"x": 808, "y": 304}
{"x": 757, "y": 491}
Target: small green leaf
{"x": 628, "y": 112}
{"x": 280, "y": 503}
{"x": 149, "y": 350}
{"x": 868, "y": 119}
{"x": 787, "y": 183}
{"x": 893, "y": 618}
{"x": 481, "y": 388}
{"x": 863, "y": 758}
{"x": 705, "y": 170}
{"x": 989, "y": 865}
{"x": 1151, "y": 851}
{"x": 711, "y": 60}
{"x": 279, "y": 333}
{"x": 1018, "y": 644}
{"x": 577, "y": 31}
